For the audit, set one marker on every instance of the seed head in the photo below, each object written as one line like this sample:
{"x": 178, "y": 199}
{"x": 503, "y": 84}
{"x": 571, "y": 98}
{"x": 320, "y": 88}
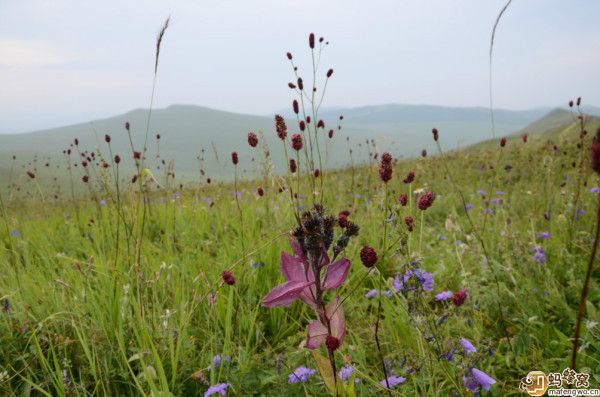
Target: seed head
{"x": 578, "y": 101}
{"x": 423, "y": 153}
{"x": 410, "y": 177}
{"x": 293, "y": 166}
{"x": 435, "y": 134}
{"x": 117, "y": 159}
{"x": 297, "y": 142}
{"x": 368, "y": 256}
{"x": 280, "y": 127}
{"x": 228, "y": 277}
{"x": 292, "y": 85}
{"x": 311, "y": 40}
{"x": 31, "y": 174}
{"x": 502, "y": 142}
{"x": 403, "y": 200}
{"x": 85, "y": 179}
{"x": 127, "y": 125}
{"x": 300, "y": 84}
{"x": 332, "y": 343}
{"x": 408, "y": 220}
{"x": 329, "y": 73}
{"x": 252, "y": 139}
{"x": 107, "y": 138}
{"x": 295, "y": 106}
{"x": 158, "y": 137}
{"x": 426, "y": 200}
{"x": 234, "y": 158}
{"x": 260, "y": 191}
{"x": 460, "y": 297}
{"x": 317, "y": 173}
{"x": 137, "y": 155}
{"x": 330, "y": 134}
{"x": 289, "y": 56}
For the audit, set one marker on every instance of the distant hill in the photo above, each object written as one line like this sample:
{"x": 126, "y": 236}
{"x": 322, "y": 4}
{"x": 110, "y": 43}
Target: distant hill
{"x": 188, "y": 132}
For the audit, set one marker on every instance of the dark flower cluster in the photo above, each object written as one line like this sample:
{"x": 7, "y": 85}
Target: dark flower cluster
{"x": 385, "y": 168}
{"x": 280, "y": 127}
{"x": 252, "y": 139}
{"x": 426, "y": 200}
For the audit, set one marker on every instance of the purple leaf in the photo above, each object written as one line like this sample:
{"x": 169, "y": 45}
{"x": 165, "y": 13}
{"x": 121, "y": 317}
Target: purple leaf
{"x": 284, "y": 294}
{"x": 293, "y": 268}
{"x": 317, "y": 332}
{"x": 336, "y": 273}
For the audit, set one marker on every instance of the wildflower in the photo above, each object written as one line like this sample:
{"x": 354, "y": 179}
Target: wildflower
{"x": 330, "y": 134}
{"x": 31, "y": 174}
{"x": 252, "y": 139}
{"x": 468, "y": 206}
{"x": 346, "y": 373}
{"x": 460, "y": 297}
{"x": 127, "y": 125}
{"x": 321, "y": 124}
{"x": 410, "y": 177}
{"x": 450, "y": 355}
{"x": 137, "y": 155}
{"x": 425, "y": 279}
{"x": 300, "y": 278}
{"x": 579, "y": 213}
{"x": 524, "y": 137}
{"x": 478, "y": 378}
{"x": 482, "y": 193}
{"x": 488, "y": 211}
{"x": 368, "y": 256}
{"x": 234, "y": 158}
{"x": 317, "y": 173}
{"x": 260, "y": 191}
{"x": 332, "y": 343}
{"x": 311, "y": 40}
{"x": 15, "y": 233}
{"x": 595, "y": 190}
{"x": 333, "y": 333}
{"x": 403, "y": 200}
{"x": 343, "y": 218}
{"x": 5, "y": 305}
{"x": 297, "y": 142}
{"x": 392, "y": 381}
{"x": 497, "y": 201}
{"x": 443, "y": 296}
{"x": 117, "y": 159}
{"x": 300, "y": 374}
{"x": 423, "y": 153}
{"x": 385, "y": 169}
{"x": 289, "y": 56}
{"x": 295, "y": 106}
{"x": 371, "y": 293}
{"x": 467, "y": 346}
{"x": 280, "y": 127}
{"x": 502, "y": 142}
{"x": 426, "y": 200}
{"x": 409, "y": 222}
{"x": 387, "y": 293}
{"x": 219, "y": 388}
{"x": 228, "y": 277}
{"x": 539, "y": 256}
{"x": 329, "y": 73}
{"x": 107, "y": 138}
{"x": 435, "y": 134}
{"x": 293, "y": 166}
{"x": 544, "y": 235}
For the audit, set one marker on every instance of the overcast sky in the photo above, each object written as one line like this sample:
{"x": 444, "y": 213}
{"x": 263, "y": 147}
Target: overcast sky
{"x": 63, "y": 62}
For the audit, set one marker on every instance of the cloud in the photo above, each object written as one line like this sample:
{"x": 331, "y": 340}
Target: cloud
{"x": 31, "y": 53}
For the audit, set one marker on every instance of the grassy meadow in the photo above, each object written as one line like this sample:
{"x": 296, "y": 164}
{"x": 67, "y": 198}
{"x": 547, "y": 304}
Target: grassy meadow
{"x": 119, "y": 290}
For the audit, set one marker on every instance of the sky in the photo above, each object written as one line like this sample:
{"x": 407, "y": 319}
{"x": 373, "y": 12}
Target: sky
{"x": 69, "y": 61}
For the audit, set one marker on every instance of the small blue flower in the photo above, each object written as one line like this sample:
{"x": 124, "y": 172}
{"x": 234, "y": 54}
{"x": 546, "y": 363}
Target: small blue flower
{"x": 443, "y": 296}
{"x": 346, "y": 373}
{"x": 468, "y": 206}
{"x": 300, "y": 374}
{"x": 219, "y": 388}
{"x": 544, "y": 235}
{"x": 392, "y": 381}
{"x": 539, "y": 255}
{"x": 467, "y": 346}
{"x": 371, "y": 293}
{"x": 15, "y": 233}
{"x": 595, "y": 190}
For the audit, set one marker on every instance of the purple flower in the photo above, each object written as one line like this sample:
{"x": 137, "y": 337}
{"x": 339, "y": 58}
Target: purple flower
{"x": 219, "y": 388}
{"x": 346, "y": 373}
{"x": 450, "y": 355}
{"x": 488, "y": 211}
{"x": 387, "y": 293}
{"x": 398, "y": 284}
{"x": 499, "y": 193}
{"x": 595, "y": 190}
{"x": 392, "y": 381}
{"x": 544, "y": 235}
{"x": 468, "y": 346}
{"x": 481, "y": 192}
{"x": 175, "y": 196}
{"x": 468, "y": 206}
{"x": 497, "y": 201}
{"x": 15, "y": 233}
{"x": 443, "y": 296}
{"x": 371, "y": 293}
{"x": 102, "y": 203}
{"x": 539, "y": 256}
{"x": 300, "y": 374}
{"x": 301, "y": 279}
{"x": 476, "y": 379}
{"x": 580, "y": 212}
{"x": 424, "y": 278}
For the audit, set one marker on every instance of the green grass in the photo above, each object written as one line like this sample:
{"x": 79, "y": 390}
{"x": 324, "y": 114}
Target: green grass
{"x": 86, "y": 318}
